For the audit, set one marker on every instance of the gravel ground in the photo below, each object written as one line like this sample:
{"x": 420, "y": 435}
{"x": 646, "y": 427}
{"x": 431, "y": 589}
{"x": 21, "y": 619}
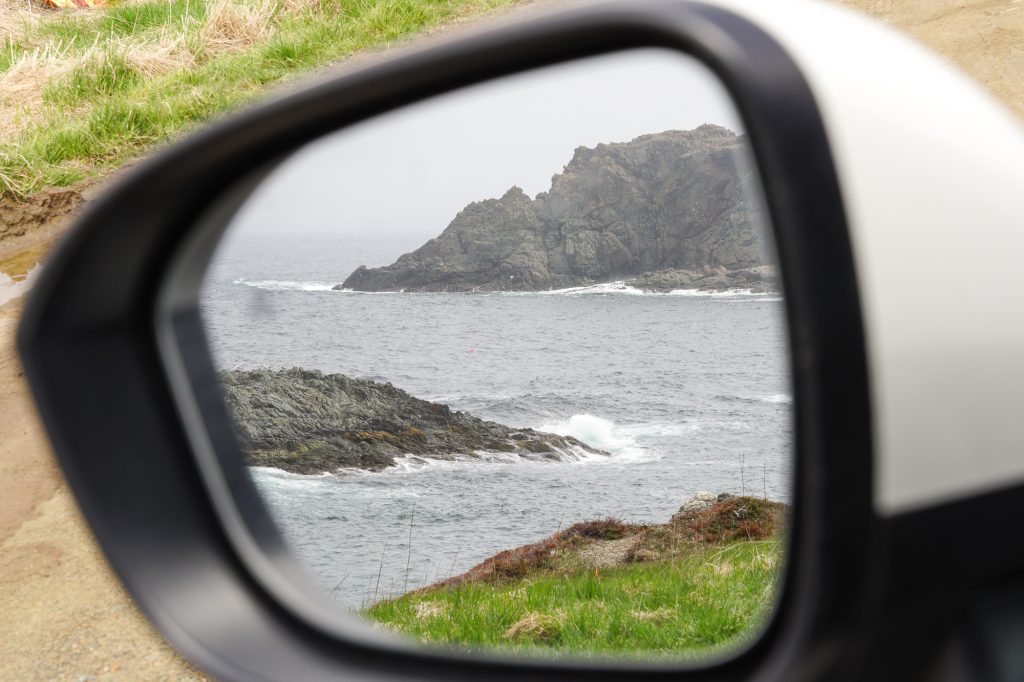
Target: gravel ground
{"x": 607, "y": 553}
{"x": 63, "y": 616}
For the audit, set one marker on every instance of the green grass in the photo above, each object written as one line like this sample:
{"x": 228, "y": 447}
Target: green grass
{"x": 81, "y": 30}
{"x": 107, "y": 109}
{"x": 705, "y": 599}
{"x": 109, "y": 76}
{"x": 691, "y": 587}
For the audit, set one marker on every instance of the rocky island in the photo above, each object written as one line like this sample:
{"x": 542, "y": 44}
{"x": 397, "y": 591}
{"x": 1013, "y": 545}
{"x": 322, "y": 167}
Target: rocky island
{"x": 307, "y": 422}
{"x": 671, "y": 210}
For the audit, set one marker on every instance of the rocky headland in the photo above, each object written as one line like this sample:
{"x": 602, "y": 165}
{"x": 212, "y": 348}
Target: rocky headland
{"x": 307, "y": 422}
{"x": 671, "y": 210}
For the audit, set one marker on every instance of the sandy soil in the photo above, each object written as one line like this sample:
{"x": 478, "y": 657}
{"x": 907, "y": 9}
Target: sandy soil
{"x": 63, "y": 616}
{"x": 985, "y": 38}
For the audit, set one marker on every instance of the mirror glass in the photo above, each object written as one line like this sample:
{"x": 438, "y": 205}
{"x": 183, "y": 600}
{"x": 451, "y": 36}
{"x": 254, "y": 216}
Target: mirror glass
{"x": 510, "y": 366}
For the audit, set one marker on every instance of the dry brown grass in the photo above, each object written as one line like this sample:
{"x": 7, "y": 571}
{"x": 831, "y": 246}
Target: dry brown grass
{"x": 302, "y": 6}
{"x": 167, "y": 54}
{"x": 233, "y": 26}
{"x": 229, "y": 26}
{"x": 548, "y": 554}
{"x": 659, "y": 615}
{"x": 23, "y": 85}
{"x": 430, "y": 609}
{"x": 15, "y": 15}
{"x": 534, "y": 626}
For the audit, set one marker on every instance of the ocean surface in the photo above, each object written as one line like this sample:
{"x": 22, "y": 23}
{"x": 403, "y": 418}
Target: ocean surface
{"x": 687, "y": 391}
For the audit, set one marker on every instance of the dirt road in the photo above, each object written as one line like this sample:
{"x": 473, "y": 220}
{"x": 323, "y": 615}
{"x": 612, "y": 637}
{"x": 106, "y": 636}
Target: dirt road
{"x": 985, "y": 38}
{"x": 63, "y": 616}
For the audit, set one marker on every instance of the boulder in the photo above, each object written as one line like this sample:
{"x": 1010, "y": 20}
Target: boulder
{"x": 699, "y": 501}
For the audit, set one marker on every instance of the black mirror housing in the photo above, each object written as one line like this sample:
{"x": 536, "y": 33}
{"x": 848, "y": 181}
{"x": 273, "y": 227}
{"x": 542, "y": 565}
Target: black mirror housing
{"x": 115, "y": 351}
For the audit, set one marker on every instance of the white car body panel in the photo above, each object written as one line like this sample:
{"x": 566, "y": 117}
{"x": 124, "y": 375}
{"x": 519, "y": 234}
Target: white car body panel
{"x": 932, "y": 175}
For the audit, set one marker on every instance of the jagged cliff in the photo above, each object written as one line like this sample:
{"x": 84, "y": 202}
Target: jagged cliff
{"x": 676, "y": 204}
{"x": 308, "y": 422}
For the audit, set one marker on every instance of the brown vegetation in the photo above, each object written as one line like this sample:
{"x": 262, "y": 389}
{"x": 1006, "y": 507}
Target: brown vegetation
{"x": 731, "y": 520}
{"x": 734, "y": 519}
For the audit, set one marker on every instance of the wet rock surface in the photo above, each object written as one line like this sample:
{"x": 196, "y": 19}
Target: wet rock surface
{"x": 758, "y": 280}
{"x": 679, "y": 204}
{"x": 307, "y": 422}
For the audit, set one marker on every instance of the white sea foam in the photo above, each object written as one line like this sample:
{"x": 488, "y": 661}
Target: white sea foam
{"x": 623, "y": 443}
{"x": 367, "y": 293}
{"x": 277, "y": 484}
{"x": 411, "y": 465}
{"x": 604, "y": 288}
{"x": 285, "y": 285}
{"x": 405, "y": 465}
{"x": 777, "y": 398}
{"x": 274, "y": 472}
{"x": 660, "y": 429}
{"x": 599, "y": 433}
{"x": 606, "y": 435}
{"x": 727, "y": 293}
{"x": 621, "y": 288}
{"x": 401, "y": 492}
{"x": 594, "y": 431}
{"x": 755, "y": 298}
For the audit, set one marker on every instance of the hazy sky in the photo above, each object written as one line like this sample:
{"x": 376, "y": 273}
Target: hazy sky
{"x": 405, "y": 175}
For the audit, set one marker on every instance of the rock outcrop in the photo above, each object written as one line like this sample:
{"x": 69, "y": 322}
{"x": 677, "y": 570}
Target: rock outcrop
{"x": 678, "y": 202}
{"x": 757, "y": 280}
{"x": 308, "y": 422}
{"x": 701, "y": 500}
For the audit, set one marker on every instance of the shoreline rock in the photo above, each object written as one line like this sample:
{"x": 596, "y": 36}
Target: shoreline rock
{"x": 307, "y": 422}
{"x": 763, "y": 279}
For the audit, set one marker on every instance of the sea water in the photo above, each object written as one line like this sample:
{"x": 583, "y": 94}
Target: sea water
{"x": 686, "y": 391}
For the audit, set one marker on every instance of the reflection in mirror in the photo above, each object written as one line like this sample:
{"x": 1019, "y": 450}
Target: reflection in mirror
{"x": 510, "y": 366}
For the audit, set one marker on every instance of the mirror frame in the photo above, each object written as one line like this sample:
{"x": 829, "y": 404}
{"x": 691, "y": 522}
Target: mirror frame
{"x": 116, "y": 311}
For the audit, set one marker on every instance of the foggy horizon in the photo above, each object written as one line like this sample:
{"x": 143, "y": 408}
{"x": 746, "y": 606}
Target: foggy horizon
{"x": 402, "y": 177}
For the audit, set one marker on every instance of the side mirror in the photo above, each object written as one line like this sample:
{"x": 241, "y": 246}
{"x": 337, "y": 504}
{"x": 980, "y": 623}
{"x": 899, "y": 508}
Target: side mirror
{"x": 853, "y": 176}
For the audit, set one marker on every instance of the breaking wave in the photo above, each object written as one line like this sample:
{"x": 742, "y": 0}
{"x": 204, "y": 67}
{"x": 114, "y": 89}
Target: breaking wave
{"x": 285, "y": 285}
{"x": 605, "y": 288}
{"x": 777, "y": 398}
{"x": 727, "y": 293}
{"x": 622, "y": 288}
{"x": 414, "y": 464}
{"x": 594, "y": 431}
{"x": 603, "y": 434}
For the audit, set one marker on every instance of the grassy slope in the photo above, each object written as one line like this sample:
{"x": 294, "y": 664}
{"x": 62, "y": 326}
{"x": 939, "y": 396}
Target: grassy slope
{"x": 84, "y": 92}
{"x": 687, "y": 588}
